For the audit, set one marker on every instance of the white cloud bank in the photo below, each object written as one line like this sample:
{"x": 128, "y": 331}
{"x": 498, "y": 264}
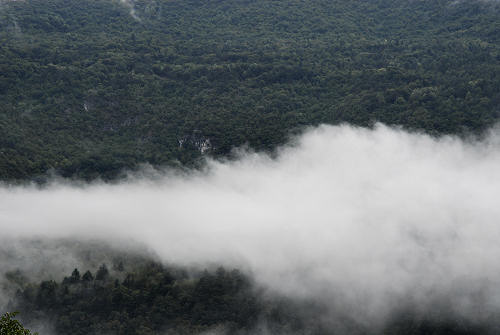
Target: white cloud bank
{"x": 366, "y": 216}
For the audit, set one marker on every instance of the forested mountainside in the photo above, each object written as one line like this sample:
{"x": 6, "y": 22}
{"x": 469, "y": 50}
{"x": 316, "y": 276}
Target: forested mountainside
{"x": 90, "y": 87}
{"x": 154, "y": 299}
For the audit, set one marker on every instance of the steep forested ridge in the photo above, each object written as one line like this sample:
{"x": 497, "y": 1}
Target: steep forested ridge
{"x": 154, "y": 299}
{"x": 88, "y": 88}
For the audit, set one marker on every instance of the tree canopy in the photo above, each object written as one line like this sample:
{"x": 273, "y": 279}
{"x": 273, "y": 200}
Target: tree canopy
{"x": 151, "y": 298}
{"x": 88, "y": 88}
{"x": 11, "y": 326}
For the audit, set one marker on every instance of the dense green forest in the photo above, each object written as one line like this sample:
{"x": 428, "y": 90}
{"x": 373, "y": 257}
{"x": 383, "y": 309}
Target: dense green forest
{"x": 90, "y": 87}
{"x": 148, "y": 301}
{"x": 155, "y": 299}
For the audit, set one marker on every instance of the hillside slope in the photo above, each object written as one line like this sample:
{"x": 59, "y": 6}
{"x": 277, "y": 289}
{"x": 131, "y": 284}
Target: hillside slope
{"x": 88, "y": 88}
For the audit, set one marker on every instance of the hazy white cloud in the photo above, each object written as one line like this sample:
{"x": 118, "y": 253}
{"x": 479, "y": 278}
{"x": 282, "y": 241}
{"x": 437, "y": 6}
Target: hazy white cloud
{"x": 367, "y": 216}
{"x": 131, "y": 6}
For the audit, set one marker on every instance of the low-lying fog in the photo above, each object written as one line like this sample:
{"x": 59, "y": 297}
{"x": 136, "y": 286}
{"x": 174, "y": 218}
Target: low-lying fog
{"x": 370, "y": 217}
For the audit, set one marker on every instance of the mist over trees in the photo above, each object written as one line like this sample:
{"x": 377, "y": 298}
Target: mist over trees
{"x": 91, "y": 87}
{"x": 154, "y": 299}
{"x": 347, "y": 231}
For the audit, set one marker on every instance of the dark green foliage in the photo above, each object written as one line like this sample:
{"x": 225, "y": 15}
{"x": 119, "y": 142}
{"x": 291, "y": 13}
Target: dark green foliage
{"x": 102, "y": 273}
{"x": 10, "y": 326}
{"x": 87, "y": 276}
{"x": 155, "y": 299}
{"x": 86, "y": 89}
{"x": 151, "y": 299}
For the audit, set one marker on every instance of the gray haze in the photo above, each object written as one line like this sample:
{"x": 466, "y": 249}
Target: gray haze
{"x": 370, "y": 217}
{"x": 131, "y": 6}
